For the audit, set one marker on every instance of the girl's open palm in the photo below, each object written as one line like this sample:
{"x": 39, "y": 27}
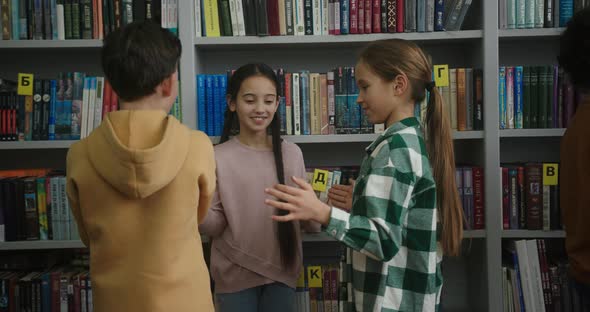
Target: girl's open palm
{"x": 299, "y": 203}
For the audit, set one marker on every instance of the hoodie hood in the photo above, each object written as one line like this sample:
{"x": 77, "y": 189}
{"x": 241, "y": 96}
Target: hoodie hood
{"x": 138, "y": 152}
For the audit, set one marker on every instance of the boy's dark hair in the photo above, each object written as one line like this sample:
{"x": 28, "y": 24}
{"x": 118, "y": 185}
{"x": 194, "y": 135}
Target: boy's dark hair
{"x": 138, "y": 57}
{"x": 286, "y": 230}
{"x": 574, "y": 50}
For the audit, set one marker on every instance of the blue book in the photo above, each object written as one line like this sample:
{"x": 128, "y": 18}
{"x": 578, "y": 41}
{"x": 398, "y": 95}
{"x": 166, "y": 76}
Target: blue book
{"x": 340, "y": 101}
{"x": 502, "y": 97}
{"x": 566, "y": 11}
{"x": 210, "y": 105}
{"x": 53, "y": 5}
{"x": 518, "y": 97}
{"x": 283, "y": 114}
{"x": 216, "y": 105}
{"x": 344, "y": 16}
{"x": 46, "y": 292}
{"x": 222, "y": 102}
{"x": 201, "y": 100}
{"x": 305, "y": 104}
{"x": 439, "y": 15}
{"x": 52, "y": 109}
{"x": 68, "y": 105}
{"x": 282, "y": 101}
{"x": 518, "y": 280}
{"x": 15, "y": 20}
{"x": 421, "y": 15}
{"x": 354, "y": 113}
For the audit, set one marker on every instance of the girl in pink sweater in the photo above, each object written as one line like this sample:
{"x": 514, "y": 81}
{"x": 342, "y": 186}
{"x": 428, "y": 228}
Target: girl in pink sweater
{"x": 254, "y": 261}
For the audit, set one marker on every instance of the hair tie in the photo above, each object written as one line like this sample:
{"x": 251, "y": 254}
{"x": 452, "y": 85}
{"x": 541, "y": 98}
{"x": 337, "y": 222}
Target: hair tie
{"x": 430, "y": 85}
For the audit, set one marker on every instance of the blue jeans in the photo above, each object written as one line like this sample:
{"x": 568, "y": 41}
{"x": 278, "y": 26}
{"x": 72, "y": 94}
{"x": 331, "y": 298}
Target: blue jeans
{"x": 265, "y": 298}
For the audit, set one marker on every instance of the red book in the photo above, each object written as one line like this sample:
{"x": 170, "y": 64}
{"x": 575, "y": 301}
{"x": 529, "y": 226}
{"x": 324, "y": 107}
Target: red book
{"x": 400, "y": 16}
{"x": 478, "y": 198}
{"x": 376, "y": 16}
{"x": 272, "y": 13}
{"x": 361, "y": 16}
{"x": 534, "y": 200}
{"x": 354, "y": 10}
{"x": 505, "y": 199}
{"x": 368, "y": 16}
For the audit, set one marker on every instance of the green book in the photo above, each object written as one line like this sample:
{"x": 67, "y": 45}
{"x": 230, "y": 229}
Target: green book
{"x": 526, "y": 91}
{"x": 550, "y": 112}
{"x": 534, "y": 104}
{"x": 543, "y": 97}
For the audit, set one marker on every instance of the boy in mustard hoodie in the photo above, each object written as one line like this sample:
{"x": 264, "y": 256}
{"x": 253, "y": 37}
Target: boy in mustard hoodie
{"x": 140, "y": 184}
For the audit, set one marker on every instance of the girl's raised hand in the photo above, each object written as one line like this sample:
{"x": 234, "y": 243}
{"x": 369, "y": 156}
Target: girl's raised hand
{"x": 300, "y": 203}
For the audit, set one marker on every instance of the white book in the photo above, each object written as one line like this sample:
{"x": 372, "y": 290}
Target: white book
{"x": 521, "y": 13}
{"x": 511, "y": 13}
{"x": 535, "y": 269}
{"x": 198, "y": 29}
{"x": 337, "y": 16}
{"x": 525, "y": 274}
{"x": 529, "y": 13}
{"x": 330, "y": 16}
{"x": 84, "y": 114}
{"x": 430, "y": 15}
{"x": 299, "y": 17}
{"x": 99, "y": 101}
{"x": 173, "y": 15}
{"x": 325, "y": 18}
{"x": 502, "y": 21}
{"x": 296, "y": 105}
{"x": 233, "y": 12}
{"x": 240, "y": 17}
{"x": 282, "y": 18}
{"x": 289, "y": 108}
{"x": 539, "y": 13}
{"x": 509, "y": 97}
{"x": 91, "y": 106}
{"x": 164, "y": 14}
{"x": 61, "y": 31}
{"x": 317, "y": 17}
{"x": 453, "y": 96}
{"x": 379, "y": 128}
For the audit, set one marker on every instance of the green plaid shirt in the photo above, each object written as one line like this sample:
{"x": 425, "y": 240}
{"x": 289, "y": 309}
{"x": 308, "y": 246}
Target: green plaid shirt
{"x": 392, "y": 229}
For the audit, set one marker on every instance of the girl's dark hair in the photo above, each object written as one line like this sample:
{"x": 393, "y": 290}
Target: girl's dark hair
{"x": 231, "y": 126}
{"x": 393, "y": 57}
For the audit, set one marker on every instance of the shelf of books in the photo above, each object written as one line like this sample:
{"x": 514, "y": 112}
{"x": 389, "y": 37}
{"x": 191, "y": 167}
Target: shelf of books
{"x": 527, "y": 133}
{"x": 533, "y": 234}
{"x": 536, "y": 33}
{"x": 23, "y": 145}
{"x": 76, "y": 244}
{"x": 359, "y": 138}
{"x": 298, "y": 139}
{"x": 50, "y": 44}
{"x": 42, "y": 244}
{"x": 329, "y": 40}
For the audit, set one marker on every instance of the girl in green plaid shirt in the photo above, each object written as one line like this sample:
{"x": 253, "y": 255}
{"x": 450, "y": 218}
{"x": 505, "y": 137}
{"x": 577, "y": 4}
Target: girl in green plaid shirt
{"x": 405, "y": 207}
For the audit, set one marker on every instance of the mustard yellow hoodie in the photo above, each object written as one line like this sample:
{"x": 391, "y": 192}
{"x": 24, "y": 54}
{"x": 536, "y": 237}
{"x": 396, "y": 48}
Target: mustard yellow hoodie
{"x": 138, "y": 187}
